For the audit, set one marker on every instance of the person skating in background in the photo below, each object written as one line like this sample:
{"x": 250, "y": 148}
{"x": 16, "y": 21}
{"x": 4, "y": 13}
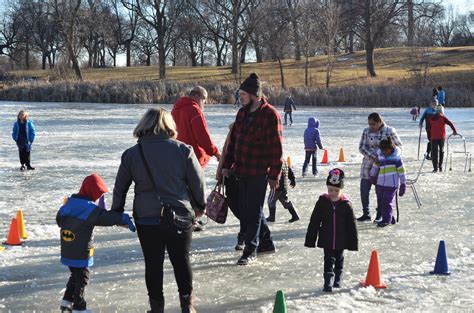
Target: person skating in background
{"x": 23, "y": 134}
{"x": 434, "y": 95}
{"x": 415, "y": 112}
{"x": 288, "y": 108}
{"x": 281, "y": 194}
{"x": 387, "y": 174}
{"x": 438, "y": 124}
{"x": 312, "y": 141}
{"x": 441, "y": 96}
{"x": 368, "y": 146}
{"x": 237, "y": 98}
{"x": 77, "y": 218}
{"x": 427, "y": 113}
{"x": 333, "y": 225}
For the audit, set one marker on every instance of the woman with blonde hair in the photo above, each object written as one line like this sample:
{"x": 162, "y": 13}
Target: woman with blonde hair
{"x": 167, "y": 178}
{"x": 24, "y": 134}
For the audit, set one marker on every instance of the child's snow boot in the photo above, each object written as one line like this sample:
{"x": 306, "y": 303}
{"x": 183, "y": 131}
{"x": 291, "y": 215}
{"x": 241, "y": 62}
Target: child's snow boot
{"x": 337, "y": 279}
{"x": 65, "y": 306}
{"x": 294, "y": 215}
{"x": 271, "y": 217}
{"x": 187, "y": 303}
{"x": 328, "y": 281}
{"x": 157, "y": 306}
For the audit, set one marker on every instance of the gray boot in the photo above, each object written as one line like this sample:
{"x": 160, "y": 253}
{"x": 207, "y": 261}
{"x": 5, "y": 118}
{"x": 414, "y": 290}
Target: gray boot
{"x": 328, "y": 281}
{"x": 187, "y": 303}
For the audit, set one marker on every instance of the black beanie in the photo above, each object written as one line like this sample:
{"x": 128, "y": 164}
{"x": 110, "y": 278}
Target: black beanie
{"x": 335, "y": 178}
{"x": 251, "y": 85}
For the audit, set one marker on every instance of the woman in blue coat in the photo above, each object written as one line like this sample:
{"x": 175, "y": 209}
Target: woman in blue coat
{"x": 24, "y": 135}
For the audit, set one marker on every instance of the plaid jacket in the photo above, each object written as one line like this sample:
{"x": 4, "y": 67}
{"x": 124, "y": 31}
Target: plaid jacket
{"x": 369, "y": 144}
{"x": 255, "y": 143}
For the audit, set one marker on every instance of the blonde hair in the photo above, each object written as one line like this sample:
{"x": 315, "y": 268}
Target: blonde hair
{"x": 23, "y": 112}
{"x": 156, "y": 121}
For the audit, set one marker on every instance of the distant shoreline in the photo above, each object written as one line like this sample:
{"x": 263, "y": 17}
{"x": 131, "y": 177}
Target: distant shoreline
{"x": 143, "y": 92}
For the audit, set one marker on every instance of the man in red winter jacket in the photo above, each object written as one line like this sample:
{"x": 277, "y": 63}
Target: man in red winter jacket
{"x": 438, "y": 124}
{"x": 191, "y": 125}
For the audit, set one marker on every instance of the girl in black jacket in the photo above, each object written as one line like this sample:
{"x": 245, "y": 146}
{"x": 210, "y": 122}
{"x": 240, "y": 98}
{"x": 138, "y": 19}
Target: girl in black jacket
{"x": 334, "y": 222}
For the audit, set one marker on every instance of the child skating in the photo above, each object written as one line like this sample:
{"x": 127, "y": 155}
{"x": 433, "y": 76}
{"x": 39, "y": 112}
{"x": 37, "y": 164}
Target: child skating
{"x": 77, "y": 218}
{"x": 281, "y": 194}
{"x": 387, "y": 174}
{"x": 333, "y": 225}
{"x": 24, "y": 134}
{"x": 438, "y": 124}
{"x": 312, "y": 141}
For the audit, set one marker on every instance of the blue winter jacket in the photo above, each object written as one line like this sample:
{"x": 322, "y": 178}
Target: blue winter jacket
{"x": 426, "y": 115}
{"x": 311, "y": 135}
{"x": 77, "y": 219}
{"x": 30, "y": 131}
{"x": 441, "y": 97}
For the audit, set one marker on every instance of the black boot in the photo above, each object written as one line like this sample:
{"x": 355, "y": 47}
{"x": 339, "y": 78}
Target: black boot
{"x": 337, "y": 279}
{"x": 328, "y": 281}
{"x": 187, "y": 303}
{"x": 157, "y": 306}
{"x": 294, "y": 214}
{"x": 271, "y": 217}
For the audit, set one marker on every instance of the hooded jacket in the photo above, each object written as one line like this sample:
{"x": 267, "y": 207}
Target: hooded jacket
{"x": 192, "y": 129}
{"x": 312, "y": 136}
{"x": 333, "y": 225}
{"x": 390, "y": 171}
{"x": 30, "y": 132}
{"x": 77, "y": 218}
{"x": 438, "y": 124}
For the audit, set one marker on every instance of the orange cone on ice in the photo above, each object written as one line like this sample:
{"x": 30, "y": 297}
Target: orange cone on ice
{"x": 21, "y": 224}
{"x": 341, "y": 156}
{"x": 373, "y": 277}
{"x": 14, "y": 234}
{"x": 325, "y": 157}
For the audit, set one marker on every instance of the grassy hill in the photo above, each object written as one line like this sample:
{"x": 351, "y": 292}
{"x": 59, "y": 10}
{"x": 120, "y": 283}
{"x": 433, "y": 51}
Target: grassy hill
{"x": 391, "y": 64}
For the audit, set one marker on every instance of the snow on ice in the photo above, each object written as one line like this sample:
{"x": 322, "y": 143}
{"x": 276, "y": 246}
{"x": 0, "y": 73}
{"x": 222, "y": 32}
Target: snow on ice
{"x": 74, "y": 140}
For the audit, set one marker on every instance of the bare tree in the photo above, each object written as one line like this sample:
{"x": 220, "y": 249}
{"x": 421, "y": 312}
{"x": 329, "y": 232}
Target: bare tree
{"x": 416, "y": 11}
{"x": 66, "y": 14}
{"x": 125, "y": 27}
{"x": 9, "y": 34}
{"x": 145, "y": 44}
{"x": 162, "y": 16}
{"x": 295, "y": 13}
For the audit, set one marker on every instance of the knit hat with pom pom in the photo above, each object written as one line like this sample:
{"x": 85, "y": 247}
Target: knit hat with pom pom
{"x": 251, "y": 85}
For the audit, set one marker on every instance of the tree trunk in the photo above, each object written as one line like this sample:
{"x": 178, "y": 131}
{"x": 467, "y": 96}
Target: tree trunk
{"x": 27, "y": 54}
{"x": 297, "y": 40}
{"x": 243, "y": 52}
{"x": 162, "y": 57}
{"x": 306, "y": 65}
{"x": 411, "y": 23}
{"x": 369, "y": 50}
{"x": 282, "y": 75}
{"x": 148, "y": 60}
{"x": 75, "y": 63}
{"x": 235, "y": 38}
{"x": 43, "y": 60}
{"x": 128, "y": 54}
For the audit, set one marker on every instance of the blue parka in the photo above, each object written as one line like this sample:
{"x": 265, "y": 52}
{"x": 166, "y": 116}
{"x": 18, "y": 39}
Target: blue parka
{"x": 312, "y": 136}
{"x": 30, "y": 132}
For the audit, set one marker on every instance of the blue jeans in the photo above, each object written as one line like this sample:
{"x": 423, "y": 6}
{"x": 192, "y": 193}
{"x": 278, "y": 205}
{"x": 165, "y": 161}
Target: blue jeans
{"x": 310, "y": 155}
{"x": 365, "y": 187}
{"x": 251, "y": 199}
{"x": 291, "y": 117}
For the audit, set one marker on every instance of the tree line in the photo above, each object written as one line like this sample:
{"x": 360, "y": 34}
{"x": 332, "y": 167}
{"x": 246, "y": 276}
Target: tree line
{"x": 92, "y": 33}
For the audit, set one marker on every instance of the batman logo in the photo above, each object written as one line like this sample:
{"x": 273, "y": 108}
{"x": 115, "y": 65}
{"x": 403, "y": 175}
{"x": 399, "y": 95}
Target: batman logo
{"x": 67, "y": 235}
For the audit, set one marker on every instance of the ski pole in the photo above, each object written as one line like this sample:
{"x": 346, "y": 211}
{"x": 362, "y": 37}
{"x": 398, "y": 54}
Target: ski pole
{"x": 396, "y": 203}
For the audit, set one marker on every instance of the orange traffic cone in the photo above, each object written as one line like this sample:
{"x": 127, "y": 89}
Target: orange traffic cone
{"x": 325, "y": 157}
{"x": 341, "y": 156}
{"x": 373, "y": 277}
{"x": 21, "y": 224}
{"x": 64, "y": 200}
{"x": 14, "y": 234}
{"x": 288, "y": 161}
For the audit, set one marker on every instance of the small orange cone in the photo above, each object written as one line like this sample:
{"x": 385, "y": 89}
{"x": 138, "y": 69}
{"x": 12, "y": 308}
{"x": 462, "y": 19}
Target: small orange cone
{"x": 14, "y": 234}
{"x": 64, "y": 200}
{"x": 21, "y": 224}
{"x": 325, "y": 157}
{"x": 341, "y": 156}
{"x": 288, "y": 161}
{"x": 373, "y": 277}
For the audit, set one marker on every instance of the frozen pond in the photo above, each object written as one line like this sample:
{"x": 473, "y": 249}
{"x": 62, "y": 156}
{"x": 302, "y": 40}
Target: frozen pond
{"x": 74, "y": 140}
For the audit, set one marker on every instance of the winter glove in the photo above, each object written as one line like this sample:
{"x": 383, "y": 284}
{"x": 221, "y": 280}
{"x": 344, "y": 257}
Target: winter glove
{"x": 127, "y": 221}
{"x": 402, "y": 190}
{"x": 102, "y": 204}
{"x": 373, "y": 180}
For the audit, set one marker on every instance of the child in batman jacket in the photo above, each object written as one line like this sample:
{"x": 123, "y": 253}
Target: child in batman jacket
{"x": 333, "y": 222}
{"x": 77, "y": 218}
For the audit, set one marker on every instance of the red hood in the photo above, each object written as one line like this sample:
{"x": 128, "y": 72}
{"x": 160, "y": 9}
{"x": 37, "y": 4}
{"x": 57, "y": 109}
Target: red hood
{"x": 185, "y": 101}
{"x": 93, "y": 187}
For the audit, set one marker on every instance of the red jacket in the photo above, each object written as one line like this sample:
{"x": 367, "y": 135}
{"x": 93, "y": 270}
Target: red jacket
{"x": 192, "y": 129}
{"x": 438, "y": 127}
{"x": 255, "y": 143}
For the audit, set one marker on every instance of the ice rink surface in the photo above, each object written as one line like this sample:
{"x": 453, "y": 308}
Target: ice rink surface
{"x": 74, "y": 140}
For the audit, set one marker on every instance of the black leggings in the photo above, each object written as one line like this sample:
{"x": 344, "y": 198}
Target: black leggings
{"x": 24, "y": 157}
{"x": 437, "y": 153}
{"x": 154, "y": 239}
{"x": 76, "y": 286}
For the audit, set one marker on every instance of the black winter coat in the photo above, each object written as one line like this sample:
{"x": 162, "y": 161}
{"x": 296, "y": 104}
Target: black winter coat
{"x": 334, "y": 224}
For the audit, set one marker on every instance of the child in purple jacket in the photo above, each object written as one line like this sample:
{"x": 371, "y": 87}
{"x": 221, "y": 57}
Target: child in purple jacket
{"x": 312, "y": 141}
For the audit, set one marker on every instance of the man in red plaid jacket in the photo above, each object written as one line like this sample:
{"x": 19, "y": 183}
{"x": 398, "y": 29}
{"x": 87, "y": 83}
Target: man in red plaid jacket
{"x": 254, "y": 155}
